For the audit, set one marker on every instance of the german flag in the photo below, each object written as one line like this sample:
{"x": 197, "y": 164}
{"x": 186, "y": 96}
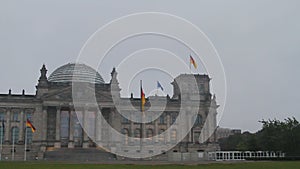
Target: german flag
{"x": 29, "y": 124}
{"x": 143, "y": 99}
{"x": 192, "y": 61}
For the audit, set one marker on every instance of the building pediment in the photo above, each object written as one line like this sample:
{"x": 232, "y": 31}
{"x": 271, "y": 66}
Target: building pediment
{"x": 66, "y": 94}
{"x": 58, "y": 94}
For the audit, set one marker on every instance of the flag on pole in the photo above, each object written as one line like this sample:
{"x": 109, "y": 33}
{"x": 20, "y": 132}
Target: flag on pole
{"x": 29, "y": 124}
{"x": 159, "y": 86}
{"x": 143, "y": 99}
{"x": 192, "y": 61}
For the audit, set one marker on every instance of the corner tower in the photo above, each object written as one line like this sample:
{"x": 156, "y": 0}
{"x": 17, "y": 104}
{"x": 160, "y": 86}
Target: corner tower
{"x": 42, "y": 86}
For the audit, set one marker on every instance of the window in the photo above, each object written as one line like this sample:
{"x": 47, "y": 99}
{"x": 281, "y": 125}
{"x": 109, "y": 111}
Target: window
{"x": 1, "y": 133}
{"x": 161, "y": 135}
{"x": 29, "y": 116}
{"x": 78, "y": 135}
{"x": 125, "y": 131}
{"x": 196, "y": 137}
{"x": 173, "y": 135}
{"x": 149, "y": 133}
{"x": 64, "y": 124}
{"x": 15, "y": 116}
{"x": 162, "y": 119}
{"x": 197, "y": 119}
{"x": 2, "y": 116}
{"x": 91, "y": 116}
{"x": 137, "y": 133}
{"x": 14, "y": 135}
{"x": 173, "y": 118}
{"x": 125, "y": 120}
{"x": 201, "y": 88}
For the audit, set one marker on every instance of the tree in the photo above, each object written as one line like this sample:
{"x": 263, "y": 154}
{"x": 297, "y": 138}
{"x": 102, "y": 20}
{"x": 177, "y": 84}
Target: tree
{"x": 275, "y": 135}
{"x": 280, "y": 136}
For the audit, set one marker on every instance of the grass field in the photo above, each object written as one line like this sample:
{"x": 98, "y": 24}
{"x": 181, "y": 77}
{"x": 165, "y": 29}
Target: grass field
{"x": 246, "y": 165}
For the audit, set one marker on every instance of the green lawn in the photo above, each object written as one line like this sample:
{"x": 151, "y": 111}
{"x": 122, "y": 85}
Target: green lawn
{"x": 245, "y": 165}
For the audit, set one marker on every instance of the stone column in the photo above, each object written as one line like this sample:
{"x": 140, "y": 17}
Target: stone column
{"x": 57, "y": 143}
{"x": 143, "y": 126}
{"x": 44, "y": 123}
{"x": 131, "y": 129}
{"x": 115, "y": 119}
{"x": 156, "y": 130}
{"x": 98, "y": 127}
{"x": 85, "y": 143}
{"x": 71, "y": 129}
{"x": 7, "y": 126}
{"x": 207, "y": 127}
{"x": 168, "y": 139}
{"x": 189, "y": 122}
{"x": 214, "y": 125}
{"x": 21, "y": 128}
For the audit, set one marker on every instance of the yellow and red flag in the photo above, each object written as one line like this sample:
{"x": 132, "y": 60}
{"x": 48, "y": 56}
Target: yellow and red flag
{"x": 192, "y": 61}
{"x": 143, "y": 99}
{"x": 29, "y": 124}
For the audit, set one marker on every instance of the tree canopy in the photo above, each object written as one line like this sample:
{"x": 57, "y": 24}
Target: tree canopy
{"x": 275, "y": 135}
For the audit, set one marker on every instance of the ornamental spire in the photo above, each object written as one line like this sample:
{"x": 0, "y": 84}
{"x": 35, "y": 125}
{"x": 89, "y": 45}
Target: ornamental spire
{"x": 43, "y": 73}
{"x": 114, "y": 84}
{"x": 43, "y": 81}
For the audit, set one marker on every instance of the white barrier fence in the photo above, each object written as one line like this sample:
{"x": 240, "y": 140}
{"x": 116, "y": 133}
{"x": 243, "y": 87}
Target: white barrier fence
{"x": 242, "y": 155}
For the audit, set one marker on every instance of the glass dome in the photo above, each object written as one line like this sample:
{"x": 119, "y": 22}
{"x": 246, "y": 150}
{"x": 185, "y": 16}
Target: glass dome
{"x": 83, "y": 73}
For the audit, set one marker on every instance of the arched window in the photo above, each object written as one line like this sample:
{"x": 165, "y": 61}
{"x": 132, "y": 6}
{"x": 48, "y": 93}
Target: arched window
{"x": 137, "y": 133}
{"x": 149, "y": 133}
{"x": 125, "y": 131}
{"x": 198, "y": 119}
{"x": 14, "y": 135}
{"x": 28, "y": 135}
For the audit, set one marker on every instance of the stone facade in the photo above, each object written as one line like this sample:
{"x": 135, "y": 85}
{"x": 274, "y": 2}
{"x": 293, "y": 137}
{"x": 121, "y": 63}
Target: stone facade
{"x": 58, "y": 125}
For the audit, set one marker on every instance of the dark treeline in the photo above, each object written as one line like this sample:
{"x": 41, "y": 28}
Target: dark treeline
{"x": 275, "y": 135}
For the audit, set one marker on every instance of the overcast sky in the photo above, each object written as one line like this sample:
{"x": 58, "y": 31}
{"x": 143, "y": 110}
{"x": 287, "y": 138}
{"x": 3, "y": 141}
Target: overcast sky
{"x": 257, "y": 40}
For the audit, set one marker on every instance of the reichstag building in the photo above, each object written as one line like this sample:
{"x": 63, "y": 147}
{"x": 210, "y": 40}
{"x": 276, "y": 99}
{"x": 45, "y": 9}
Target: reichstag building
{"x": 59, "y": 126}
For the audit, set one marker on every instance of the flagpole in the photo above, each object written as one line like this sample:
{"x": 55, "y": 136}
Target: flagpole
{"x": 1, "y": 142}
{"x": 141, "y": 126}
{"x": 190, "y": 65}
{"x": 25, "y": 149}
{"x": 13, "y": 146}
